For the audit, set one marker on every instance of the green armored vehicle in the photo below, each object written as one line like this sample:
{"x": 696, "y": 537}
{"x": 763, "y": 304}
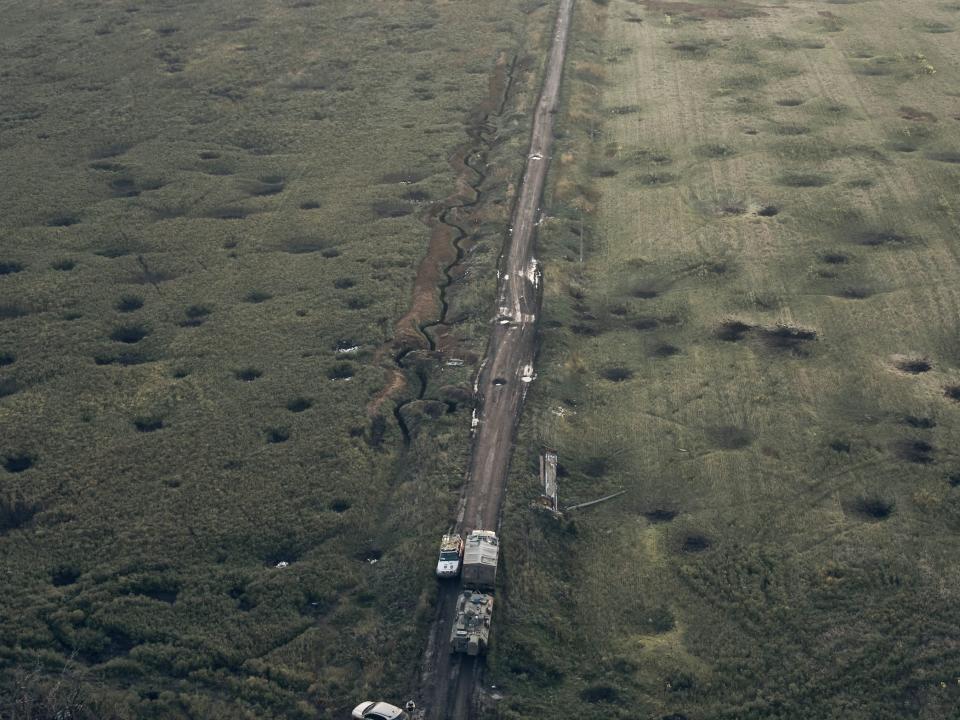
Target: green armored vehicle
{"x": 471, "y": 631}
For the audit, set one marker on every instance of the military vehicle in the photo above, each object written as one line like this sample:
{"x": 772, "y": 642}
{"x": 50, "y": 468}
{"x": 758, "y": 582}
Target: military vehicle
{"x": 480, "y": 560}
{"x": 471, "y": 630}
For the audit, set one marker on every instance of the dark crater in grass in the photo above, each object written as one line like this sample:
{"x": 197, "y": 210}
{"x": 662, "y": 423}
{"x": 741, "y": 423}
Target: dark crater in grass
{"x": 310, "y": 205}
{"x": 880, "y": 238}
{"x": 914, "y": 366}
{"x": 268, "y": 185}
{"x": 921, "y": 423}
{"x": 391, "y": 209}
{"x": 277, "y": 435}
{"x": 596, "y": 467}
{"x": 18, "y": 463}
{"x": 63, "y": 265}
{"x": 945, "y": 157}
{"x": 9, "y": 267}
{"x": 129, "y": 334}
{"x": 148, "y": 424}
{"x": 789, "y": 102}
{"x": 370, "y": 555}
{"x": 196, "y": 314}
{"x": 12, "y": 312}
{"x": 730, "y": 437}
{"x": 616, "y": 374}
{"x": 768, "y": 211}
{"x": 664, "y": 350}
{"x": 871, "y": 507}
{"x": 645, "y": 292}
{"x": 7, "y": 359}
{"x": 417, "y": 196}
{"x": 15, "y": 513}
{"x": 600, "y": 694}
{"x": 840, "y": 446}
{"x": 303, "y": 247}
{"x": 854, "y": 293}
{"x": 786, "y": 337}
{"x": 656, "y": 179}
{"x": 715, "y": 150}
{"x": 298, "y": 405}
{"x": 63, "y": 575}
{"x": 257, "y": 296}
{"x": 952, "y": 392}
{"x": 733, "y": 330}
{"x": 643, "y": 324}
{"x": 124, "y": 187}
{"x": 247, "y": 374}
{"x": 953, "y": 480}
{"x": 695, "y": 543}
{"x": 833, "y": 258}
{"x": 339, "y": 505}
{"x": 804, "y": 180}
{"x": 209, "y": 155}
{"x": 8, "y": 387}
{"x": 660, "y": 515}
{"x": 228, "y": 213}
{"x": 63, "y": 220}
{"x": 344, "y": 283}
{"x": 358, "y": 303}
{"x": 919, "y": 452}
{"x": 330, "y": 253}
{"x": 340, "y": 371}
{"x": 585, "y": 330}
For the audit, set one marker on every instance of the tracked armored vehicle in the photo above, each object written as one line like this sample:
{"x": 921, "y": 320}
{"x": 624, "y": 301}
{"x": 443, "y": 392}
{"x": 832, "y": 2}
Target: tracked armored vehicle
{"x": 471, "y": 630}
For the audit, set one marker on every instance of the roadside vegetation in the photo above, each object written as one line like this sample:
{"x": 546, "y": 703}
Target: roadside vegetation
{"x": 212, "y": 223}
{"x": 749, "y": 324}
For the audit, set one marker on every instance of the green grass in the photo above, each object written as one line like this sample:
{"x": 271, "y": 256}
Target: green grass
{"x": 206, "y": 204}
{"x": 761, "y": 352}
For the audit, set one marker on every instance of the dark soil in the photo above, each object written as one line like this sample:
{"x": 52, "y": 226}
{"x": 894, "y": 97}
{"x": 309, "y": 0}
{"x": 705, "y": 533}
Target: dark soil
{"x": 63, "y": 265}
{"x": 665, "y": 350}
{"x": 645, "y": 292}
{"x": 148, "y": 424}
{"x": 64, "y": 575}
{"x": 278, "y": 435}
{"x": 256, "y": 296}
{"x": 391, "y": 209}
{"x": 768, "y": 211}
{"x": 339, "y": 505}
{"x": 834, "y": 259}
{"x": 694, "y": 543}
{"x": 15, "y": 513}
{"x": 303, "y": 247}
{"x": 914, "y": 366}
{"x": 17, "y": 463}
{"x": 616, "y": 374}
{"x": 730, "y": 437}
{"x": 872, "y": 507}
{"x": 247, "y": 374}
{"x": 880, "y": 238}
{"x": 10, "y": 267}
{"x": 8, "y": 387}
{"x": 344, "y": 283}
{"x": 922, "y": 423}
{"x": 952, "y": 392}
{"x": 298, "y": 405}
{"x": 789, "y": 102}
{"x": 855, "y": 293}
{"x": 946, "y": 157}
{"x": 660, "y": 515}
{"x": 840, "y": 446}
{"x": 919, "y": 452}
{"x": 785, "y": 337}
{"x": 7, "y": 359}
{"x": 733, "y": 331}
{"x": 656, "y": 179}
{"x": 129, "y": 334}
{"x": 129, "y": 303}
{"x": 645, "y": 323}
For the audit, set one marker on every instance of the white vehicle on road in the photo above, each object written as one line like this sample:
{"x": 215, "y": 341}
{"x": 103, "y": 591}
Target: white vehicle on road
{"x": 451, "y": 552}
{"x": 379, "y": 711}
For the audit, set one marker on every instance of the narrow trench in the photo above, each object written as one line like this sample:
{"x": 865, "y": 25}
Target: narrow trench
{"x": 481, "y": 136}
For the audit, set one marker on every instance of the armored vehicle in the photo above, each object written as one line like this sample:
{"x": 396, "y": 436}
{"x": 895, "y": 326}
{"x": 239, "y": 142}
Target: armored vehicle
{"x": 471, "y": 630}
{"x": 480, "y": 560}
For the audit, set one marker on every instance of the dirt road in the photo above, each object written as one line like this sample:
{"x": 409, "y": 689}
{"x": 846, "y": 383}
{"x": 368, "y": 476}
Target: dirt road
{"x": 501, "y": 387}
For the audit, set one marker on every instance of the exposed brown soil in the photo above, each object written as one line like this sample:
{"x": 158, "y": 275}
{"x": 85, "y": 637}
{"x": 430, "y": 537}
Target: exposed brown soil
{"x": 912, "y": 113}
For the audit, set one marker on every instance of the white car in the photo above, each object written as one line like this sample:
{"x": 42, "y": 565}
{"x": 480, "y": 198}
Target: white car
{"x": 451, "y": 552}
{"x": 379, "y": 711}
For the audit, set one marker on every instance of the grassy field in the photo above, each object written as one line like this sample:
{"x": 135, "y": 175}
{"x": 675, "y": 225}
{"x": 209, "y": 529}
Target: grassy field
{"x": 751, "y": 325}
{"x": 210, "y": 226}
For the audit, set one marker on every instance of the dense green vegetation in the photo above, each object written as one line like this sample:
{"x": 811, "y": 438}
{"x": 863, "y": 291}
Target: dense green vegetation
{"x": 211, "y": 223}
{"x": 750, "y": 324}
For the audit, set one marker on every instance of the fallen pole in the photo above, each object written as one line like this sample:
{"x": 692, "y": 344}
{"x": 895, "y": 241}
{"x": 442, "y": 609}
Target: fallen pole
{"x": 594, "y": 502}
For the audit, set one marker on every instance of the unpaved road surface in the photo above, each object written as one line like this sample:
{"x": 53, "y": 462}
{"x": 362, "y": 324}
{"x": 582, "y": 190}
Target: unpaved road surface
{"x": 448, "y": 682}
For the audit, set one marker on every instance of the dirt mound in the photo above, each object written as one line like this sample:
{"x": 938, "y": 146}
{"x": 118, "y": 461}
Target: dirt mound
{"x": 912, "y": 365}
{"x": 871, "y": 507}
